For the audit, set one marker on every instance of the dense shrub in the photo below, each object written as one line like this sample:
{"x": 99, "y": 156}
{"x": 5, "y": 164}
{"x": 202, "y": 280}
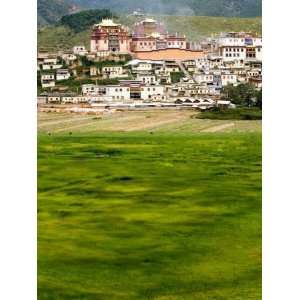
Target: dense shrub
{"x": 231, "y": 114}
{"x": 83, "y": 20}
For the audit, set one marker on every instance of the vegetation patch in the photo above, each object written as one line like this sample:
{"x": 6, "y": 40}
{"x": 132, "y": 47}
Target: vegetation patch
{"x": 176, "y": 76}
{"x": 231, "y": 114}
{"x": 85, "y": 19}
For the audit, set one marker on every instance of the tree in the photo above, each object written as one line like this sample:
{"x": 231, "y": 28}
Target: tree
{"x": 85, "y": 19}
{"x": 243, "y": 94}
{"x": 259, "y": 99}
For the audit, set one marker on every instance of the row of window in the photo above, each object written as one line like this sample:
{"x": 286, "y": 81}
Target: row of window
{"x": 153, "y": 43}
{"x": 105, "y": 41}
{"x": 234, "y": 49}
{"x": 117, "y": 97}
{"x": 233, "y": 55}
{"x": 127, "y": 89}
{"x": 227, "y": 77}
{"x": 207, "y": 77}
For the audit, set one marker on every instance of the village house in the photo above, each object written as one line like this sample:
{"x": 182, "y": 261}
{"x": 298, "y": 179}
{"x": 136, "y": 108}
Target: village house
{"x": 81, "y": 99}
{"x": 102, "y": 54}
{"x": 54, "y": 98}
{"x": 202, "y": 63}
{"x": 141, "y": 67}
{"x": 188, "y": 89}
{"x": 215, "y": 62}
{"x": 80, "y": 50}
{"x": 47, "y": 80}
{"x": 92, "y": 89}
{"x": 118, "y": 92}
{"x": 172, "y": 66}
{"x": 62, "y": 74}
{"x": 67, "y": 99}
{"x": 147, "y": 79}
{"x": 155, "y": 92}
{"x": 190, "y": 65}
{"x": 204, "y": 77}
{"x": 240, "y": 45}
{"x": 69, "y": 58}
{"x": 51, "y": 64}
{"x": 228, "y": 79}
{"x": 113, "y": 72}
{"x": 94, "y": 71}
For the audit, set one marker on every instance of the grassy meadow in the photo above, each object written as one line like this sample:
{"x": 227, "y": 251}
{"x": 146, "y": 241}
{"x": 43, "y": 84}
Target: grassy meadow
{"x": 194, "y": 27}
{"x": 149, "y": 215}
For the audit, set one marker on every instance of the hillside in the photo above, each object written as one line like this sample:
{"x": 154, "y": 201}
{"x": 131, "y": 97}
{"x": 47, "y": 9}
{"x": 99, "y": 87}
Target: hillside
{"x": 229, "y": 8}
{"x": 50, "y": 11}
{"x": 194, "y": 27}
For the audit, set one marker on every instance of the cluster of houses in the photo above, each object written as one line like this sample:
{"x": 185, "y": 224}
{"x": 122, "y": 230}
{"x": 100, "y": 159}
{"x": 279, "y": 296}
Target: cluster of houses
{"x": 177, "y": 78}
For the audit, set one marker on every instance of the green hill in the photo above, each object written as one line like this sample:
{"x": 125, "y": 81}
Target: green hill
{"x": 228, "y": 8}
{"x": 194, "y": 27}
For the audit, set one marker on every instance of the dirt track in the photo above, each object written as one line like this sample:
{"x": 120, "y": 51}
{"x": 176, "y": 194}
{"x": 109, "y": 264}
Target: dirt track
{"x": 179, "y": 121}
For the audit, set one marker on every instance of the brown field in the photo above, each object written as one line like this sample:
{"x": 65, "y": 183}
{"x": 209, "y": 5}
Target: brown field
{"x": 163, "y": 121}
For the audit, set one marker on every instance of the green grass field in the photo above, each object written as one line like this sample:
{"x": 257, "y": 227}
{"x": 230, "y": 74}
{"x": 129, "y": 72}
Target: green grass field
{"x": 135, "y": 215}
{"x": 194, "y": 27}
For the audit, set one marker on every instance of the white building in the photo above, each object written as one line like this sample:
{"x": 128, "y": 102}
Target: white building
{"x": 62, "y": 74}
{"x": 142, "y": 67}
{"x": 228, "y": 79}
{"x": 51, "y": 64}
{"x": 117, "y": 93}
{"x": 113, "y": 72}
{"x": 54, "y": 99}
{"x": 204, "y": 77}
{"x": 48, "y": 80}
{"x": 243, "y": 46}
{"x": 80, "y": 50}
{"x": 155, "y": 92}
{"x": 69, "y": 58}
{"x": 92, "y": 89}
{"x": 147, "y": 79}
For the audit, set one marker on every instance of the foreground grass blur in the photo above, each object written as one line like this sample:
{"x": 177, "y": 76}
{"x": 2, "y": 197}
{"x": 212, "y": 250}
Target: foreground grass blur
{"x": 141, "y": 216}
